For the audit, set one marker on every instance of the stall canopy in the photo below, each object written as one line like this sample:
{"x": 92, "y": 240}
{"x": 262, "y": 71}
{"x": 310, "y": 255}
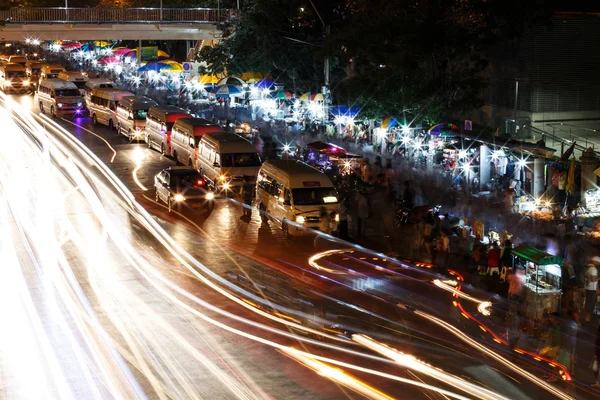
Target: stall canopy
{"x": 327, "y": 148}
{"x": 536, "y": 256}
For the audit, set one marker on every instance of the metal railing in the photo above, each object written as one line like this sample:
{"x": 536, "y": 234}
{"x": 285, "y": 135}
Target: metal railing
{"x": 58, "y": 15}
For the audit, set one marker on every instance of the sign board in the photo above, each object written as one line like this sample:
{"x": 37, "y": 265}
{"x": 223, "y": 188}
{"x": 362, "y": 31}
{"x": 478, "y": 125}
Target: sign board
{"x": 187, "y": 67}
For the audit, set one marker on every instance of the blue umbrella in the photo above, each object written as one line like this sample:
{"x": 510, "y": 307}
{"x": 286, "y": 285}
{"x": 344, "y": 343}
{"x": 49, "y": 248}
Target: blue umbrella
{"x": 229, "y": 91}
{"x": 155, "y": 66}
{"x": 264, "y": 84}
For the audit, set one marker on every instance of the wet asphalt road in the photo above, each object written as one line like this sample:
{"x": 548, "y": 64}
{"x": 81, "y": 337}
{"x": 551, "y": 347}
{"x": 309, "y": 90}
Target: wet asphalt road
{"x": 258, "y": 258}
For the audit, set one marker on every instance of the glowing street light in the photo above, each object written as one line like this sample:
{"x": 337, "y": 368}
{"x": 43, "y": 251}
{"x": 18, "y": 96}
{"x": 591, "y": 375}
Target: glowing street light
{"x": 462, "y": 154}
{"x": 405, "y": 129}
{"x": 522, "y": 163}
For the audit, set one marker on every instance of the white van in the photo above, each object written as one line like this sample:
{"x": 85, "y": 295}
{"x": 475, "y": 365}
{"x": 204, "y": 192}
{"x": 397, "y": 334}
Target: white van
{"x": 14, "y": 79}
{"x": 131, "y": 115}
{"x": 59, "y": 97}
{"x": 103, "y": 106}
{"x": 50, "y": 71}
{"x": 224, "y": 158}
{"x": 76, "y": 77}
{"x": 92, "y": 84}
{"x": 159, "y": 122}
{"x": 185, "y": 137}
{"x": 16, "y": 59}
{"x": 290, "y": 190}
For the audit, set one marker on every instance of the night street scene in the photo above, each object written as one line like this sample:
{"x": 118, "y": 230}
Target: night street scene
{"x": 300, "y": 199}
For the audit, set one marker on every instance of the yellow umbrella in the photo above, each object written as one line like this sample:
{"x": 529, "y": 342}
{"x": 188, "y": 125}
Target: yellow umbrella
{"x": 570, "y": 187}
{"x": 317, "y": 97}
{"x": 161, "y": 53}
{"x": 208, "y": 79}
{"x": 251, "y": 77}
{"x": 305, "y": 96}
{"x": 175, "y": 68}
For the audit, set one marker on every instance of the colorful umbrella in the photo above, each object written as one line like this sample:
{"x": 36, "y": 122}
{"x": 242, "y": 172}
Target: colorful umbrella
{"x": 208, "y": 79}
{"x": 251, "y": 77}
{"x": 174, "y": 68}
{"x": 436, "y": 130}
{"x": 230, "y": 91}
{"x": 121, "y": 51}
{"x": 155, "y": 66}
{"x": 264, "y": 84}
{"x": 317, "y": 97}
{"x": 570, "y": 186}
{"x": 282, "y": 95}
{"x": 305, "y": 97}
{"x": 161, "y": 53}
{"x": 231, "y": 80}
{"x": 389, "y": 123}
{"x": 105, "y": 60}
{"x": 70, "y": 46}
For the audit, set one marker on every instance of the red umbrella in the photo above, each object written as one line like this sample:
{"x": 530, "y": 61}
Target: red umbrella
{"x": 105, "y": 60}
{"x": 121, "y": 51}
{"x": 70, "y": 46}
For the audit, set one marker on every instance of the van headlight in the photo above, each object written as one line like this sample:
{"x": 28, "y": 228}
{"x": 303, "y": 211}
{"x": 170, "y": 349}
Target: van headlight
{"x": 179, "y": 198}
{"x": 210, "y": 196}
{"x": 224, "y": 178}
{"x": 300, "y": 219}
{"x": 60, "y": 105}
{"x": 26, "y": 82}
{"x": 226, "y": 186}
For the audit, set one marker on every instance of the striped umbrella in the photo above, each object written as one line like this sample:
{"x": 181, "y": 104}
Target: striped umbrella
{"x": 282, "y": 95}
{"x": 121, "y": 51}
{"x": 106, "y": 60}
{"x": 264, "y": 84}
{"x": 317, "y": 97}
{"x": 389, "y": 123}
{"x": 229, "y": 91}
{"x": 208, "y": 79}
{"x": 231, "y": 80}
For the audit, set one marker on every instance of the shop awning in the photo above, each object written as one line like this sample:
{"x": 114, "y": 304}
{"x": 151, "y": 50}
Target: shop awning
{"x": 536, "y": 256}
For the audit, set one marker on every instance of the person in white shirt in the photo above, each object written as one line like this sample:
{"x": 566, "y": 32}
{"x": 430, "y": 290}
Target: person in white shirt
{"x": 591, "y": 283}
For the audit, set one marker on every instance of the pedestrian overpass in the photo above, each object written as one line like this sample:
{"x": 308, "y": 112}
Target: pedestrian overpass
{"x": 60, "y": 23}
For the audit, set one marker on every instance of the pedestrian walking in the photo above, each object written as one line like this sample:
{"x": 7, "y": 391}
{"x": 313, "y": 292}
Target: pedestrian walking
{"x": 570, "y": 330}
{"x": 493, "y": 259}
{"x": 343, "y": 225}
{"x": 591, "y": 297}
{"x": 247, "y": 191}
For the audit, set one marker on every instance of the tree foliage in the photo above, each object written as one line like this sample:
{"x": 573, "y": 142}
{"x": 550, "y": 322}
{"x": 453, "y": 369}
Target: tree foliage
{"x": 418, "y": 58}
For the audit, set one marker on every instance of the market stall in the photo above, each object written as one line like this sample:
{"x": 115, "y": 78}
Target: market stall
{"x": 588, "y": 217}
{"x": 318, "y": 154}
{"x": 543, "y": 275}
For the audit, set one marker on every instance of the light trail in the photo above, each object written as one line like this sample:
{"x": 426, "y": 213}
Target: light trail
{"x": 92, "y": 133}
{"x": 483, "y": 306}
{"x": 411, "y": 362}
{"x": 143, "y": 217}
{"x": 139, "y": 157}
{"x": 463, "y": 337}
{"x": 338, "y": 376}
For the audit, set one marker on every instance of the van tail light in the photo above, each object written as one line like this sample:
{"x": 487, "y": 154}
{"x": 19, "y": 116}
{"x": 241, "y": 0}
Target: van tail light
{"x": 200, "y": 182}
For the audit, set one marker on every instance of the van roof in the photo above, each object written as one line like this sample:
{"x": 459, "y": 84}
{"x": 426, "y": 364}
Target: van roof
{"x": 138, "y": 102}
{"x": 53, "y": 66}
{"x": 69, "y": 73}
{"x": 195, "y": 122}
{"x": 14, "y": 66}
{"x": 115, "y": 94}
{"x": 169, "y": 109}
{"x": 229, "y": 142}
{"x": 58, "y": 84}
{"x": 296, "y": 172}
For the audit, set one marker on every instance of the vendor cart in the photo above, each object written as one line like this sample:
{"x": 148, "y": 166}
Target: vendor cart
{"x": 543, "y": 275}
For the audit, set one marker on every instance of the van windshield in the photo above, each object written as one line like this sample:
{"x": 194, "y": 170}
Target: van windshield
{"x": 79, "y": 84}
{"x": 35, "y": 70}
{"x": 67, "y": 93}
{"x": 140, "y": 114}
{"x": 51, "y": 76}
{"x": 314, "y": 196}
{"x": 15, "y": 74}
{"x": 240, "y": 160}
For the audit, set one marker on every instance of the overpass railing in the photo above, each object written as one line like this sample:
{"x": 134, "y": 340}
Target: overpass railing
{"x": 57, "y": 15}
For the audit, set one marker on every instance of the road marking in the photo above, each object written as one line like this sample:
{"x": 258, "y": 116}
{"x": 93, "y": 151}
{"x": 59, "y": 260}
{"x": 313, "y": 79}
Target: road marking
{"x": 95, "y": 134}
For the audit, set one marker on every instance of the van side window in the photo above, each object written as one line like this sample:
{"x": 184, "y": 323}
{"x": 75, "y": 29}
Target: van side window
{"x": 276, "y": 188}
{"x": 287, "y": 195}
{"x": 217, "y": 158}
{"x": 264, "y": 182}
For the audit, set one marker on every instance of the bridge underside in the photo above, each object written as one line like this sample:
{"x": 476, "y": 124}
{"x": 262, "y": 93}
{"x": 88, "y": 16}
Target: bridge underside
{"x": 17, "y": 32}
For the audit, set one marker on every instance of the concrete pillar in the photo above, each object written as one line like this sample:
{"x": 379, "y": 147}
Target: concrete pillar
{"x": 138, "y": 58}
{"x": 485, "y": 160}
{"x": 589, "y": 162}
{"x": 539, "y": 184}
